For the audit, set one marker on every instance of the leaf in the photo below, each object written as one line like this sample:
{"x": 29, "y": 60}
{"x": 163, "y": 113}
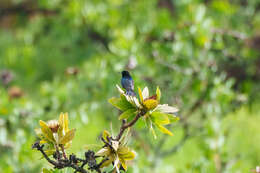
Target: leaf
{"x": 150, "y": 104}
{"x": 150, "y": 126}
{"x": 67, "y": 145}
{"x": 120, "y": 103}
{"x": 67, "y": 137}
{"x": 173, "y": 118}
{"x": 122, "y": 161}
{"x": 38, "y": 132}
{"x": 127, "y": 114}
{"x": 160, "y": 118}
{"x": 115, "y": 145}
{"x": 105, "y": 135}
{"x": 46, "y": 131}
{"x": 103, "y": 152}
{"x": 120, "y": 89}
{"x": 145, "y": 93}
{"x": 164, "y": 130}
{"x": 107, "y": 162}
{"x": 61, "y": 130}
{"x": 166, "y": 109}
{"x": 153, "y": 132}
{"x": 140, "y": 95}
{"x": 126, "y": 153}
{"x": 158, "y": 94}
{"x": 44, "y": 170}
{"x": 49, "y": 152}
{"x": 43, "y": 141}
{"x": 66, "y": 122}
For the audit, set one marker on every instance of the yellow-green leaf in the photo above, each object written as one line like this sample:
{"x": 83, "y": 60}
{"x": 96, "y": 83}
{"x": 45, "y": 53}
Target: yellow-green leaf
{"x": 43, "y": 141}
{"x": 107, "y": 162}
{"x": 103, "y": 152}
{"x": 173, "y": 118}
{"x": 125, "y": 153}
{"x": 44, "y": 170}
{"x": 158, "y": 94}
{"x": 49, "y": 152}
{"x": 46, "y": 131}
{"x": 120, "y": 103}
{"x": 122, "y": 161}
{"x": 160, "y": 118}
{"x": 150, "y": 126}
{"x": 67, "y": 137}
{"x": 38, "y": 132}
{"x": 153, "y": 132}
{"x": 105, "y": 135}
{"x": 66, "y": 122}
{"x": 164, "y": 130}
{"x": 127, "y": 114}
{"x": 140, "y": 95}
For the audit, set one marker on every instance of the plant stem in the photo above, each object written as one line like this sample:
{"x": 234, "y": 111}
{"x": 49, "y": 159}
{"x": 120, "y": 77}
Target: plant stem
{"x": 124, "y": 126}
{"x": 63, "y": 152}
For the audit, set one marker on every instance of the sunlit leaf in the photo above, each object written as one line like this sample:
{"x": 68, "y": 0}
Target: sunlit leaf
{"x": 127, "y": 114}
{"x": 66, "y": 122}
{"x": 126, "y": 153}
{"x": 173, "y": 118}
{"x": 140, "y": 95}
{"x": 43, "y": 141}
{"x": 105, "y": 135}
{"x": 120, "y": 89}
{"x": 122, "y": 161}
{"x": 103, "y": 152}
{"x": 145, "y": 93}
{"x": 120, "y": 103}
{"x": 166, "y": 109}
{"x": 46, "y": 131}
{"x": 149, "y": 124}
{"x": 160, "y": 118}
{"x": 45, "y": 170}
{"x": 164, "y": 130}
{"x": 158, "y": 94}
{"x": 38, "y": 132}
{"x": 67, "y": 137}
{"x": 107, "y": 162}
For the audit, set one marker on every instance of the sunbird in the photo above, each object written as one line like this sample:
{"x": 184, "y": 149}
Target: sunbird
{"x": 127, "y": 83}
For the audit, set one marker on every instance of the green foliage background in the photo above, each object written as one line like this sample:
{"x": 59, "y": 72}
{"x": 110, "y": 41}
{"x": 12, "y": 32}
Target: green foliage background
{"x": 204, "y": 55}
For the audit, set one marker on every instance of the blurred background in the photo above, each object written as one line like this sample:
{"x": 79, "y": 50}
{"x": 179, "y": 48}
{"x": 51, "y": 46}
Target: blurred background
{"x": 67, "y": 55}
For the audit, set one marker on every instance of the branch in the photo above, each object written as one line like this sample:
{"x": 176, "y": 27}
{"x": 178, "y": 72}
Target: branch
{"x": 124, "y": 126}
{"x": 73, "y": 161}
{"x": 40, "y": 148}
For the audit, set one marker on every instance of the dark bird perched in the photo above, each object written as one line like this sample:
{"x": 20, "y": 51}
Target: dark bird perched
{"x": 127, "y": 83}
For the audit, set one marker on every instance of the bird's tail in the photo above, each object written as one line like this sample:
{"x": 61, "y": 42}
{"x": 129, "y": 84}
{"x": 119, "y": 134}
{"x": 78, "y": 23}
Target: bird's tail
{"x": 130, "y": 93}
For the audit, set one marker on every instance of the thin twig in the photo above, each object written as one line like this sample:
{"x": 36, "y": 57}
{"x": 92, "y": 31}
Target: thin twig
{"x": 63, "y": 152}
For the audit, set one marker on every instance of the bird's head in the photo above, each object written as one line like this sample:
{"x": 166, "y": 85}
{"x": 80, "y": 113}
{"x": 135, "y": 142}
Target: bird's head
{"x": 125, "y": 74}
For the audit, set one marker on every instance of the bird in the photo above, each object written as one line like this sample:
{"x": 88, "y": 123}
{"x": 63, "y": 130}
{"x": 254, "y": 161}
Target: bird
{"x": 127, "y": 83}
